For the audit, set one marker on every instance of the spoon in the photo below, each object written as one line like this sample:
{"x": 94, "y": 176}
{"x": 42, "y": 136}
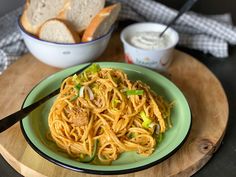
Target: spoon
{"x": 184, "y": 9}
{"x": 10, "y": 120}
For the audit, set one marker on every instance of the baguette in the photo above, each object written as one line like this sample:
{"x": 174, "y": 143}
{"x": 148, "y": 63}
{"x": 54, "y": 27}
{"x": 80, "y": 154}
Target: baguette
{"x": 80, "y": 12}
{"x": 36, "y": 12}
{"x": 55, "y": 30}
{"x": 101, "y": 23}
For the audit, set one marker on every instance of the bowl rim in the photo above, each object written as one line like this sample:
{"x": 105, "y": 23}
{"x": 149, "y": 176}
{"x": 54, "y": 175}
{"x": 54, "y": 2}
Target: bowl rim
{"x": 22, "y": 29}
{"x": 102, "y": 172}
{"x": 122, "y": 36}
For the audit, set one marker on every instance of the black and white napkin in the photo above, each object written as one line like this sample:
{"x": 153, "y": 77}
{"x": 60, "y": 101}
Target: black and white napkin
{"x": 11, "y": 42}
{"x": 209, "y": 34}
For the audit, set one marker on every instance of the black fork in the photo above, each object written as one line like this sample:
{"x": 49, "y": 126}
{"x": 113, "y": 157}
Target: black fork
{"x": 10, "y": 120}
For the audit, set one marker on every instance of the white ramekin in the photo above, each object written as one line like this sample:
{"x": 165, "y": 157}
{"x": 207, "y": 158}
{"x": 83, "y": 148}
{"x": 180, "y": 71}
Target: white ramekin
{"x": 158, "y": 59}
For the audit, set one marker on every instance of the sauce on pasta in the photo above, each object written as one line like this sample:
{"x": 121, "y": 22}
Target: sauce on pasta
{"x": 101, "y": 114}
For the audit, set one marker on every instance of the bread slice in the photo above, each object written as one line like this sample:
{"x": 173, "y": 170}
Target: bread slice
{"x": 101, "y": 23}
{"x": 36, "y": 12}
{"x": 55, "y": 30}
{"x": 81, "y": 12}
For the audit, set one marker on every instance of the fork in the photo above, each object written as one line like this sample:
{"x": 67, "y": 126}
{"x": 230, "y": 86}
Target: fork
{"x": 10, "y": 120}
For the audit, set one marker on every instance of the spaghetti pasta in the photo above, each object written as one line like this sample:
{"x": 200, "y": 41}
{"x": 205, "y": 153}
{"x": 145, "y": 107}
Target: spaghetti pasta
{"x": 103, "y": 106}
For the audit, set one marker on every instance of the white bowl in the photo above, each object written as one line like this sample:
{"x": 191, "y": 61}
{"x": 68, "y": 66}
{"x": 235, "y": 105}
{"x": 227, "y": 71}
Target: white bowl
{"x": 158, "y": 58}
{"x": 64, "y": 55}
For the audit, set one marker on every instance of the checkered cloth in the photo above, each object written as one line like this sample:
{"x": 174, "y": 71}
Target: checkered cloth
{"x": 11, "y": 43}
{"x": 209, "y": 34}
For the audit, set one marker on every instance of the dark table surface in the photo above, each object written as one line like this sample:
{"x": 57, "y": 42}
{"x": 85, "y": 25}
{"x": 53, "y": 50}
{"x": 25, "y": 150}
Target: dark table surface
{"x": 223, "y": 163}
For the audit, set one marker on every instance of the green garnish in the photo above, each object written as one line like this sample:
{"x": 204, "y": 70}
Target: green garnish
{"x": 94, "y": 68}
{"x": 88, "y": 159}
{"x": 146, "y": 120}
{"x": 131, "y": 135}
{"x": 76, "y": 79}
{"x": 115, "y": 102}
{"x": 77, "y": 87}
{"x": 74, "y": 98}
{"x": 116, "y": 80}
{"x": 134, "y": 92}
{"x": 160, "y": 138}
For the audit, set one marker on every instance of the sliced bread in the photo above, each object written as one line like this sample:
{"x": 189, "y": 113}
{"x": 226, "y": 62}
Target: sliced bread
{"x": 56, "y": 30}
{"x": 101, "y": 23}
{"x": 36, "y": 12}
{"x": 81, "y": 12}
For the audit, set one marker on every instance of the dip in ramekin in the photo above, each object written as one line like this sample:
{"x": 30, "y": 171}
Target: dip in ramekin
{"x": 143, "y": 46}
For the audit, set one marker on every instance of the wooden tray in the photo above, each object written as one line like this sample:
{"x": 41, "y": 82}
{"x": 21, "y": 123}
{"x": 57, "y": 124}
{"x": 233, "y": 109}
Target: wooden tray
{"x": 203, "y": 91}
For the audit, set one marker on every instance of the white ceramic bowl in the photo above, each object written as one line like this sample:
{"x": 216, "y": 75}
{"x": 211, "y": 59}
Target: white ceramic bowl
{"x": 64, "y": 55}
{"x": 159, "y": 58}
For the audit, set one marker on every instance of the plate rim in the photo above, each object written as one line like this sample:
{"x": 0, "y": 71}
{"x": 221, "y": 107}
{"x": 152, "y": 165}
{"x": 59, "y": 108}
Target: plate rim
{"x": 103, "y": 172}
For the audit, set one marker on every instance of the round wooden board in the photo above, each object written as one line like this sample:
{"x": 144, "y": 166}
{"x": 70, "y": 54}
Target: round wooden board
{"x": 203, "y": 91}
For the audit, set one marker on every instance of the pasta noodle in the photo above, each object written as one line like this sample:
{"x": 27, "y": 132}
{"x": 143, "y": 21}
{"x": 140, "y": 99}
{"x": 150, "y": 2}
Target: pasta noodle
{"x": 103, "y": 106}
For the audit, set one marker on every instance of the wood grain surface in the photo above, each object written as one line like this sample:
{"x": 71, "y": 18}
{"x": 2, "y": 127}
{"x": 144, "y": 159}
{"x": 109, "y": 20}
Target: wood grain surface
{"x": 203, "y": 91}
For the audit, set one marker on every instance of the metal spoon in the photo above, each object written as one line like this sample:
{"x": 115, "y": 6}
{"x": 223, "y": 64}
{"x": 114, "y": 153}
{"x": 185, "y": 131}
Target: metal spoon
{"x": 184, "y": 9}
{"x": 10, "y": 120}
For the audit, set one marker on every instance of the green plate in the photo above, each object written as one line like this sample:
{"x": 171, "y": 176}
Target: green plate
{"x": 35, "y": 125}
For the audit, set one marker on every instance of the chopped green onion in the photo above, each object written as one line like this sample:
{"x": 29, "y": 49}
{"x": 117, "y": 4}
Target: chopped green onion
{"x": 94, "y": 68}
{"x": 78, "y": 87}
{"x": 131, "y": 135}
{"x": 116, "y": 80}
{"x": 74, "y": 98}
{"x": 88, "y": 159}
{"x": 160, "y": 138}
{"x": 84, "y": 76}
{"x": 134, "y": 92}
{"x": 115, "y": 102}
{"x": 146, "y": 120}
{"x": 76, "y": 79}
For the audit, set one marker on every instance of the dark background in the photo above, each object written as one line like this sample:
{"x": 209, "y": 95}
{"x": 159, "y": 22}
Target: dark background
{"x": 202, "y": 6}
{"x": 223, "y": 163}
{"x": 207, "y": 6}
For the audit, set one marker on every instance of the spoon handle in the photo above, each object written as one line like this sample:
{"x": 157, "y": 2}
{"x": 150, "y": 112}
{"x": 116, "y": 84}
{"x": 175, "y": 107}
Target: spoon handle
{"x": 10, "y": 120}
{"x": 184, "y": 9}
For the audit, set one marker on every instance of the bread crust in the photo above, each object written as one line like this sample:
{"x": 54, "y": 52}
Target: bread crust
{"x": 24, "y": 20}
{"x": 87, "y": 35}
{"x": 73, "y": 34}
{"x": 98, "y": 20}
{"x": 63, "y": 15}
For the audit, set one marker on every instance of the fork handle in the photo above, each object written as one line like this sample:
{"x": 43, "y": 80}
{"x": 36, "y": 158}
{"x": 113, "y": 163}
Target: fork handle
{"x": 10, "y": 120}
